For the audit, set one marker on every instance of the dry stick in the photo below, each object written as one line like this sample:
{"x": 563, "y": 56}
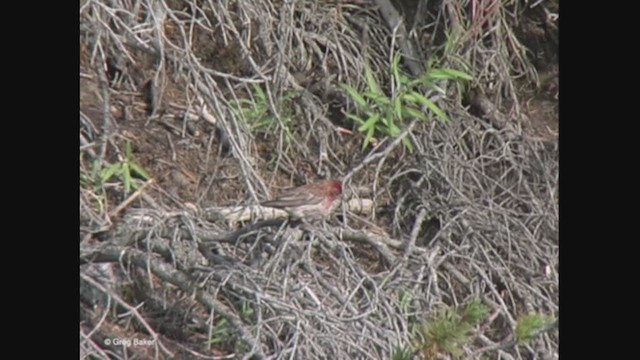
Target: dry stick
{"x": 130, "y": 199}
{"x": 93, "y": 346}
{"x": 246, "y": 165}
{"x": 87, "y": 337}
{"x": 511, "y": 341}
{"x": 378, "y": 242}
{"x": 131, "y": 309}
{"x": 204, "y": 89}
{"x": 417, "y": 226}
{"x": 309, "y": 268}
{"x": 495, "y": 292}
{"x": 386, "y": 151}
{"x": 458, "y": 205}
{"x": 102, "y": 319}
{"x": 396, "y": 25}
{"x": 458, "y": 275}
{"x": 104, "y": 85}
{"x": 144, "y": 260}
{"x": 196, "y": 355}
{"x": 233, "y": 236}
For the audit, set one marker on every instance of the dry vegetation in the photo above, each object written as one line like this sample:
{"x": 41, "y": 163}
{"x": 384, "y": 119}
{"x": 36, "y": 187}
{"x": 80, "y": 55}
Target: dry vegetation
{"x": 225, "y": 103}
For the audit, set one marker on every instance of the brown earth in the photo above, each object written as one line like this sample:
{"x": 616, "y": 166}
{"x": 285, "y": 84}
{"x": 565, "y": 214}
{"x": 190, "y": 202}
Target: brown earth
{"x": 190, "y": 161}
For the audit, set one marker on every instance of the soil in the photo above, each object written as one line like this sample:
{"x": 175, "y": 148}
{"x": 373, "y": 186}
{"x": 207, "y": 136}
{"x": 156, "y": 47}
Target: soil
{"x": 189, "y": 158}
{"x": 174, "y": 150}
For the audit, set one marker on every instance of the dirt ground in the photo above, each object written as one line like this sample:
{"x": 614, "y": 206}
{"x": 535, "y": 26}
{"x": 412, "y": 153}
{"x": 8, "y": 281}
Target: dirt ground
{"x": 130, "y": 97}
{"x": 187, "y": 161}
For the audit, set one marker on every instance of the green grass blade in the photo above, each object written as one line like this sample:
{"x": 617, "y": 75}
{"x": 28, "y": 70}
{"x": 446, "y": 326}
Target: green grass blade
{"x": 393, "y": 129}
{"x": 126, "y": 177}
{"x": 367, "y": 138}
{"x": 139, "y": 171}
{"x": 355, "y": 118}
{"x": 371, "y": 81}
{"x": 128, "y": 151}
{"x": 353, "y": 93}
{"x": 415, "y": 113}
{"x": 407, "y": 143}
{"x": 397, "y": 102}
{"x": 379, "y": 99}
{"x": 436, "y": 110}
{"x": 370, "y": 123}
{"x": 395, "y": 67}
{"x": 259, "y": 93}
{"x": 448, "y": 74}
{"x": 108, "y": 172}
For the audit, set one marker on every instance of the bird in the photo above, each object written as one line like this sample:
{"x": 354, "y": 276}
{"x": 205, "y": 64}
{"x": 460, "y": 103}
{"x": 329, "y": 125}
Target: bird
{"x": 312, "y": 201}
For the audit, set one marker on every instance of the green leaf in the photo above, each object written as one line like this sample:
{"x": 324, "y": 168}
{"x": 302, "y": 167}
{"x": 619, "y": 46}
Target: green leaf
{"x": 370, "y": 123}
{"x": 259, "y": 93}
{"x": 397, "y": 102}
{"x": 220, "y": 332}
{"x": 385, "y": 122}
{"x": 415, "y": 113}
{"x": 402, "y": 353}
{"x": 460, "y": 74}
{"x": 128, "y": 151}
{"x": 107, "y": 173}
{"x": 448, "y": 74}
{"x": 244, "y": 102}
{"x": 407, "y": 143}
{"x": 529, "y": 325}
{"x": 126, "y": 177}
{"x": 395, "y": 67}
{"x": 139, "y": 170}
{"x": 406, "y": 81}
{"x": 368, "y": 138}
{"x": 475, "y": 312}
{"x": 355, "y": 118}
{"x": 436, "y": 110}
{"x": 360, "y": 101}
{"x": 371, "y": 81}
{"x": 380, "y": 99}
{"x": 393, "y": 129}
{"x": 405, "y": 301}
{"x": 416, "y": 98}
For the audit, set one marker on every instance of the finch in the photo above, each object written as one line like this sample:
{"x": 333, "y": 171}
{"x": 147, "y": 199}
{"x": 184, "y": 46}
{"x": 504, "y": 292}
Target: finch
{"x": 311, "y": 201}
